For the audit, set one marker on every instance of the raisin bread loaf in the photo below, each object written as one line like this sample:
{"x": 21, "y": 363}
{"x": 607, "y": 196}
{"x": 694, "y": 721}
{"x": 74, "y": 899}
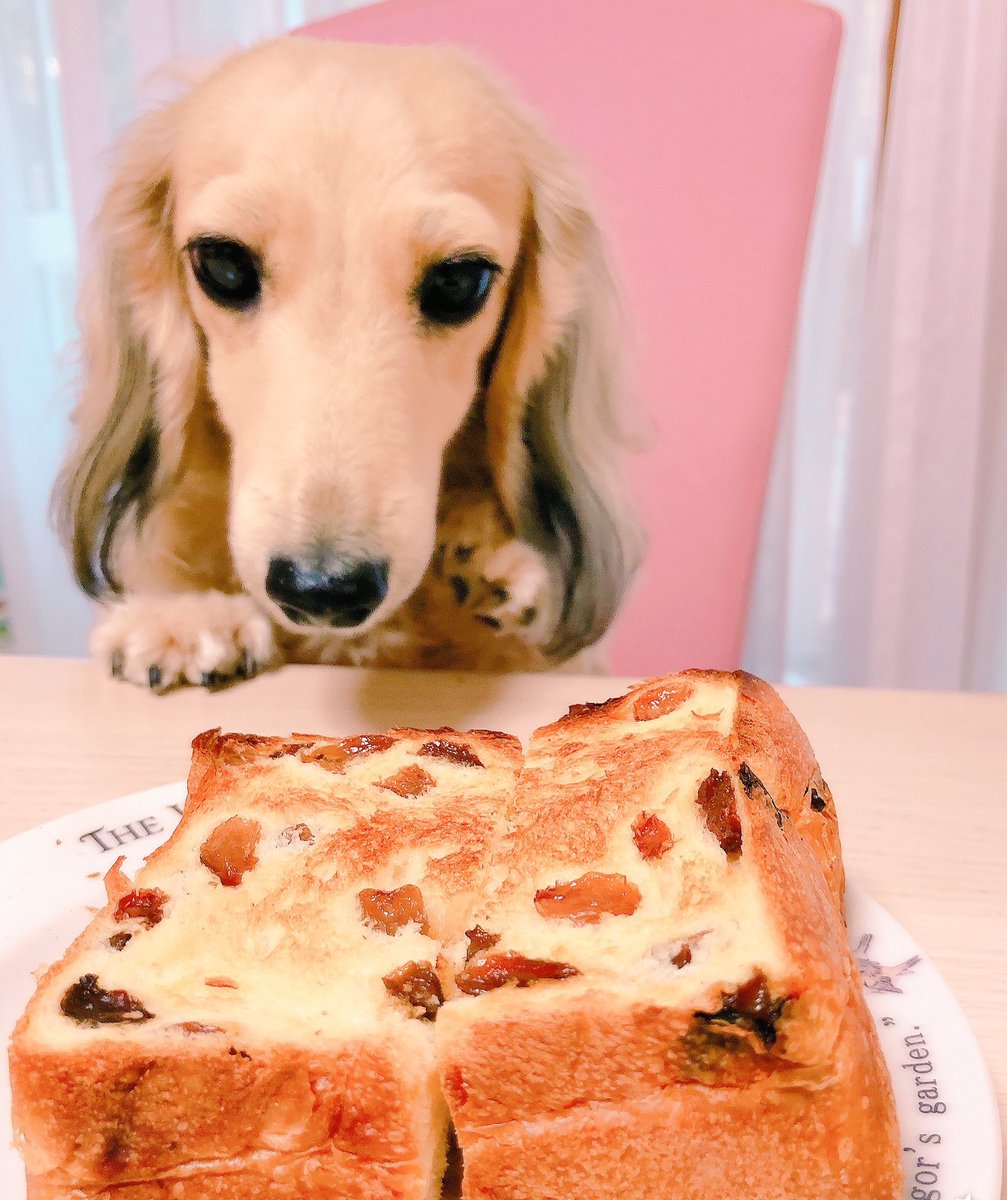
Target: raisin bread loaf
{"x": 671, "y": 866}
{"x": 632, "y": 943}
{"x": 239, "y": 1022}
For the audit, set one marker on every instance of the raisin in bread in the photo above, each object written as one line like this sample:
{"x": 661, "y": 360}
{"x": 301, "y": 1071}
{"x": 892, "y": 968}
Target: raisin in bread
{"x": 241, "y": 1020}
{"x": 659, "y": 1001}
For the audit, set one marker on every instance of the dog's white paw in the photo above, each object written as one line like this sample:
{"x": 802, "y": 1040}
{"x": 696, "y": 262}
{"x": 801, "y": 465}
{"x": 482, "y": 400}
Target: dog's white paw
{"x": 203, "y": 638}
{"x": 506, "y": 587}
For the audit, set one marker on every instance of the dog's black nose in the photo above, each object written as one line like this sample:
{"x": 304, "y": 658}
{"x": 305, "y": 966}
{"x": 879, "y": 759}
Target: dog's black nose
{"x": 342, "y": 593}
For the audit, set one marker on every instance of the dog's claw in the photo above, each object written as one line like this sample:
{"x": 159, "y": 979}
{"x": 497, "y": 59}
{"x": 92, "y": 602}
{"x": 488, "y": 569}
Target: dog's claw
{"x": 503, "y": 587}
{"x": 163, "y": 642}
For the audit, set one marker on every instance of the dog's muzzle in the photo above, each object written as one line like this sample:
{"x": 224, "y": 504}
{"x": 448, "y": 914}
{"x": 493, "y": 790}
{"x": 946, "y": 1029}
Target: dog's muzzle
{"x": 341, "y": 593}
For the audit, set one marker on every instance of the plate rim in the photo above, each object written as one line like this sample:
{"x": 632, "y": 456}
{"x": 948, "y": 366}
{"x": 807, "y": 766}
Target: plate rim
{"x": 54, "y": 824}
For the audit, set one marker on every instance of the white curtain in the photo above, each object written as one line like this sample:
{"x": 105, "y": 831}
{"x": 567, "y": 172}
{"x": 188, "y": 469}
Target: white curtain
{"x": 37, "y": 284}
{"x": 884, "y": 554}
{"x": 72, "y": 73}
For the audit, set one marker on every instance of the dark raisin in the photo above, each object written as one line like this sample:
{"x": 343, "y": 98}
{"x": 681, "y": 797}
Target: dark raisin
{"x": 818, "y": 801}
{"x": 750, "y": 781}
{"x": 683, "y": 957}
{"x": 479, "y": 939}
{"x": 118, "y": 940}
{"x": 750, "y": 1007}
{"x": 417, "y": 984}
{"x": 453, "y": 751}
{"x": 91, "y": 1004}
{"x": 496, "y": 970}
{"x": 708, "y": 1048}
{"x": 720, "y": 811}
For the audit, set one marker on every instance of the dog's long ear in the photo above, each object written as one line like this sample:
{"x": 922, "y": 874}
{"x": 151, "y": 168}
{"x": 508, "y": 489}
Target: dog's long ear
{"x": 556, "y": 404}
{"x": 140, "y": 359}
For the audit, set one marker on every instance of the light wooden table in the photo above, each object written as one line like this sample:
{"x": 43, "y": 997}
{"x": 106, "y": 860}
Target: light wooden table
{"x": 920, "y": 779}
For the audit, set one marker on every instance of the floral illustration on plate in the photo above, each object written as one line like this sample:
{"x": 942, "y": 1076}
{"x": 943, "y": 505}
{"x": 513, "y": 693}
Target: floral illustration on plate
{"x": 876, "y": 976}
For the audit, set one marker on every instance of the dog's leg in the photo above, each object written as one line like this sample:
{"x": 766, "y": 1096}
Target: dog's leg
{"x": 203, "y": 638}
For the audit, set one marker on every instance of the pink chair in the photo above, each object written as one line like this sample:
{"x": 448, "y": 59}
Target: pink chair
{"x": 701, "y": 124}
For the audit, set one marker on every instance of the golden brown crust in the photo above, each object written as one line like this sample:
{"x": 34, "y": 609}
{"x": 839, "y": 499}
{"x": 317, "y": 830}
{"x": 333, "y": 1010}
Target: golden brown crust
{"x": 770, "y": 740}
{"x": 329, "y": 1176}
{"x": 105, "y": 1115}
{"x": 767, "y": 1141}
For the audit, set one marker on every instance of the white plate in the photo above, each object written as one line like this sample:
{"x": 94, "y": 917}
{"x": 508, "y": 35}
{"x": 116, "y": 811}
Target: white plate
{"x": 51, "y": 881}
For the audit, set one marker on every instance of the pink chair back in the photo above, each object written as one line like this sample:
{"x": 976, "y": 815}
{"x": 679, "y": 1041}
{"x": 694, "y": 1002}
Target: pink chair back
{"x": 701, "y": 124}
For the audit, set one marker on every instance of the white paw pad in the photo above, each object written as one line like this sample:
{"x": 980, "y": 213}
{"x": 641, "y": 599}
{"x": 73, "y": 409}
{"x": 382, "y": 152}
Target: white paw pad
{"x": 203, "y": 638}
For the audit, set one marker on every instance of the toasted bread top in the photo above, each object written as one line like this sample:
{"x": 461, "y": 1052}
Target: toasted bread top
{"x": 260, "y": 925}
{"x": 645, "y": 851}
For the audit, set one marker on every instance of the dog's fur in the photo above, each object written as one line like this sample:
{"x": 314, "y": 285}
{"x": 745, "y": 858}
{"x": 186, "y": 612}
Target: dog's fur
{"x": 482, "y": 461}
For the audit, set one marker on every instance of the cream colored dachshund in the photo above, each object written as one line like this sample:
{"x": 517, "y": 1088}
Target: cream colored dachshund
{"x": 350, "y": 386}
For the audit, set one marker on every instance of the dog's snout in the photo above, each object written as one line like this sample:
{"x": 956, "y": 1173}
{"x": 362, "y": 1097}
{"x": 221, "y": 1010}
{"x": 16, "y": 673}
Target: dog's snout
{"x": 342, "y": 593}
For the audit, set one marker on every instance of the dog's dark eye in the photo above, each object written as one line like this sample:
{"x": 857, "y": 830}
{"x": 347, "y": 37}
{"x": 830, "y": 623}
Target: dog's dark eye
{"x": 453, "y": 291}
{"x": 226, "y": 271}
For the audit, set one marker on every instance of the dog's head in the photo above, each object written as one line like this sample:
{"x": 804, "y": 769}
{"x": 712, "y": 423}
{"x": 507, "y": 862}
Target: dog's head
{"x": 337, "y": 251}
